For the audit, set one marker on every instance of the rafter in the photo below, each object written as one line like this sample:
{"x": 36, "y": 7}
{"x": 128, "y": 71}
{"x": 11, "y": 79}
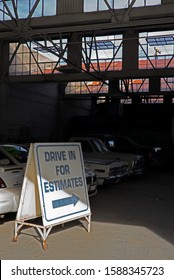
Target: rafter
{"x": 128, "y": 10}
{"x": 112, "y": 11}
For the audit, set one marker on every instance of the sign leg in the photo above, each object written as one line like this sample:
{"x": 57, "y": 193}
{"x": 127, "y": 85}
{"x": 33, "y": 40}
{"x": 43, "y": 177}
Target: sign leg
{"x": 17, "y": 228}
{"x": 44, "y": 244}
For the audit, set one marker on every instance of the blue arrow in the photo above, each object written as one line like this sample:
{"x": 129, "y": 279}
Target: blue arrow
{"x": 65, "y": 201}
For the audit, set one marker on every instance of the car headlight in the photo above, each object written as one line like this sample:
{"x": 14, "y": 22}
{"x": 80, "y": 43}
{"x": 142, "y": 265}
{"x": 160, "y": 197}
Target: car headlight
{"x": 156, "y": 149}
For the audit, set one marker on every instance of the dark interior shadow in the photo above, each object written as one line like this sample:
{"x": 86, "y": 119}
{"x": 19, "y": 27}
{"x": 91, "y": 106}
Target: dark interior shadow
{"x": 146, "y": 201}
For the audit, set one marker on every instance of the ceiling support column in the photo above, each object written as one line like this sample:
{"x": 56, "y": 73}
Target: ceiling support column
{"x": 4, "y": 60}
{"x": 154, "y": 85}
{"x": 114, "y": 87}
{"x": 130, "y": 50}
{"x": 74, "y": 56}
{"x": 4, "y": 69}
{"x": 3, "y": 112}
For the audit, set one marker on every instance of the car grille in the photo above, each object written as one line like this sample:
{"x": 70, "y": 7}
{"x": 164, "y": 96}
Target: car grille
{"x": 122, "y": 170}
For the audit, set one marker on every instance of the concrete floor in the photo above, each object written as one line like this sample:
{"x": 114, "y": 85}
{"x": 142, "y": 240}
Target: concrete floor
{"x": 131, "y": 220}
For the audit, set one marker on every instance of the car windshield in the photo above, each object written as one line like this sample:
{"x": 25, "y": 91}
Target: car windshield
{"x": 125, "y": 142}
{"x": 99, "y": 145}
{"x": 18, "y": 152}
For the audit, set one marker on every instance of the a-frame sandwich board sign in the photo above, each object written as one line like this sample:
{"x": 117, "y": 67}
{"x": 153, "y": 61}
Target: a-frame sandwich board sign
{"x": 54, "y": 187}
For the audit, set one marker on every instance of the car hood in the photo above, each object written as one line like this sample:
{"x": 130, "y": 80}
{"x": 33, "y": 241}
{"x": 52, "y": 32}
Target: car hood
{"x": 10, "y": 168}
{"x": 104, "y": 161}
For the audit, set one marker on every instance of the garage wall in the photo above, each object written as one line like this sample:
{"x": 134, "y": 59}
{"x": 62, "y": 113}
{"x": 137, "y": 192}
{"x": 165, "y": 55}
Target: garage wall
{"x": 31, "y": 112}
{"x": 71, "y": 108}
{"x": 36, "y": 112}
{"x": 3, "y": 111}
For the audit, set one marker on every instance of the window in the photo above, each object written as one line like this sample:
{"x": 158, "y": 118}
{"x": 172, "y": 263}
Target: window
{"x": 4, "y": 160}
{"x": 90, "y": 5}
{"x": 103, "y": 6}
{"x": 156, "y": 49}
{"x": 18, "y": 152}
{"x": 35, "y": 58}
{"x": 99, "y": 146}
{"x": 89, "y": 87}
{"x": 86, "y": 147}
{"x": 99, "y": 5}
{"x": 153, "y": 2}
{"x": 103, "y": 53}
{"x": 121, "y": 4}
{"x": 49, "y": 7}
{"x": 23, "y": 8}
{"x": 134, "y": 85}
{"x": 39, "y": 10}
{"x": 167, "y": 84}
{"x": 139, "y": 3}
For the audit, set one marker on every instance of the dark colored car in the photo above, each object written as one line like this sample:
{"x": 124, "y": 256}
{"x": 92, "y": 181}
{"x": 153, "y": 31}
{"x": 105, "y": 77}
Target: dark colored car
{"x": 152, "y": 155}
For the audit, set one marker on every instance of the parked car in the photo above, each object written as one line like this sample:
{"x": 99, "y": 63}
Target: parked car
{"x": 11, "y": 178}
{"x": 152, "y": 154}
{"x": 94, "y": 148}
{"x": 91, "y": 181}
{"x": 17, "y": 153}
{"x": 9, "y": 200}
{"x": 107, "y": 171}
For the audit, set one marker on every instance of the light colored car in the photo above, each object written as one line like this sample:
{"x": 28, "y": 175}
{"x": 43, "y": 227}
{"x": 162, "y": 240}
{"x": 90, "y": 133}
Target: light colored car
{"x": 107, "y": 171}
{"x": 94, "y": 148}
{"x": 91, "y": 181}
{"x": 16, "y": 153}
{"x": 11, "y": 178}
{"x": 9, "y": 200}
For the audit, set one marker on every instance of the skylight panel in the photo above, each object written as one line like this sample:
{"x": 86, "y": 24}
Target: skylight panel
{"x": 160, "y": 41}
{"x": 102, "y": 45}
{"x": 47, "y": 49}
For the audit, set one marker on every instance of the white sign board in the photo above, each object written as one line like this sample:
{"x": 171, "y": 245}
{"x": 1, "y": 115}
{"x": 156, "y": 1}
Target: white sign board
{"x": 61, "y": 182}
{"x": 54, "y": 187}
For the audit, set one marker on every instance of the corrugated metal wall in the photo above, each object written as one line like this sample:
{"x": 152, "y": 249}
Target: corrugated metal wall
{"x": 70, "y": 6}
